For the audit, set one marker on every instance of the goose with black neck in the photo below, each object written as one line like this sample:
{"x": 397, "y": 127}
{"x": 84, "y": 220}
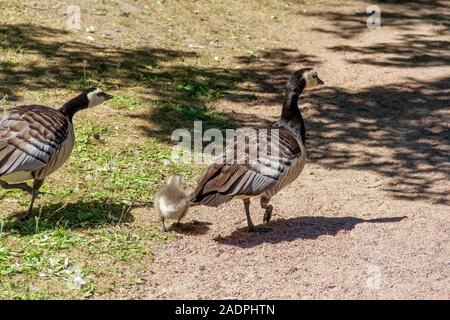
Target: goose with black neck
{"x": 36, "y": 140}
{"x": 223, "y": 180}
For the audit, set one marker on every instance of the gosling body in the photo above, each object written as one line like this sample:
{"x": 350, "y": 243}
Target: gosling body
{"x": 171, "y": 201}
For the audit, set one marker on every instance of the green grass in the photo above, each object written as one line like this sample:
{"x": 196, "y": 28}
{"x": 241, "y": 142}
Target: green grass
{"x": 86, "y": 225}
{"x": 66, "y": 263}
{"x": 130, "y": 172}
{"x": 83, "y": 229}
{"x": 126, "y": 102}
{"x": 101, "y": 11}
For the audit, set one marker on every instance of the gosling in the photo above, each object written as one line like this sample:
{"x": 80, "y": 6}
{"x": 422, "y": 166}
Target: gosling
{"x": 170, "y": 202}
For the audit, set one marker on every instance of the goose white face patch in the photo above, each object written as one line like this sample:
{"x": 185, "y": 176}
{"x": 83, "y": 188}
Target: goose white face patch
{"x": 95, "y": 98}
{"x": 311, "y": 79}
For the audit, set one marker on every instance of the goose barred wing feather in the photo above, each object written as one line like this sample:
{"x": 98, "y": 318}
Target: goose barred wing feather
{"x": 29, "y": 136}
{"x": 241, "y": 177}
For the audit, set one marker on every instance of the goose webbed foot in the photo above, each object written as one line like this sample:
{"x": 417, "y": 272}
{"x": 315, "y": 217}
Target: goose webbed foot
{"x": 251, "y": 226}
{"x": 27, "y": 215}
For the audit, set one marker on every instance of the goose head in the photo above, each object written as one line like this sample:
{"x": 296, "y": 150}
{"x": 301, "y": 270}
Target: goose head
{"x": 88, "y": 98}
{"x": 304, "y": 78}
{"x": 95, "y": 96}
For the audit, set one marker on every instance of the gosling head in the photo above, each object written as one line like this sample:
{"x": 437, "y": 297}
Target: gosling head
{"x": 304, "y": 78}
{"x": 95, "y": 96}
{"x": 174, "y": 180}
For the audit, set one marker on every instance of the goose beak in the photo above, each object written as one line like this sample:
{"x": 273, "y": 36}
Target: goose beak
{"x": 320, "y": 82}
{"x": 108, "y": 96}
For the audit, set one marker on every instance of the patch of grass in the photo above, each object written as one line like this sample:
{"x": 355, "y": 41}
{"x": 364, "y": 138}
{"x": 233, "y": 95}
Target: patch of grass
{"x": 126, "y": 102}
{"x": 191, "y": 88}
{"x": 64, "y": 263}
{"x": 85, "y": 81}
{"x": 8, "y": 64}
{"x": 44, "y": 97}
{"x": 175, "y": 116}
{"x": 101, "y": 11}
{"x": 123, "y": 174}
{"x": 42, "y": 258}
{"x": 3, "y": 102}
{"x": 83, "y": 241}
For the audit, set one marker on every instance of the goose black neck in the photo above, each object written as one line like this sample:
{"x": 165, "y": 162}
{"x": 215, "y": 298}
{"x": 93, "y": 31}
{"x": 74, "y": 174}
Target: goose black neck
{"x": 291, "y": 112}
{"x": 74, "y": 105}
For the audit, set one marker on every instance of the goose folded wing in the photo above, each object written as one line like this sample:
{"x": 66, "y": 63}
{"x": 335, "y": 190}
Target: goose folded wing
{"x": 222, "y": 181}
{"x": 28, "y": 138}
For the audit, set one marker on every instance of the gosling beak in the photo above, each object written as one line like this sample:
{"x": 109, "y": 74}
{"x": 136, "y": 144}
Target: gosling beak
{"x": 320, "y": 82}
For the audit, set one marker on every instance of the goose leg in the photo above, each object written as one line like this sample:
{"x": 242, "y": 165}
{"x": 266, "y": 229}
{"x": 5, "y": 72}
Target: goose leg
{"x": 250, "y": 224}
{"x": 265, "y": 205}
{"x": 21, "y": 186}
{"x": 37, "y": 184}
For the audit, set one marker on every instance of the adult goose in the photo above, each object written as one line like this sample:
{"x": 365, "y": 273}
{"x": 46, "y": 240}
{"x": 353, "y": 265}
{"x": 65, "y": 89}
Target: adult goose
{"x": 238, "y": 174}
{"x": 36, "y": 140}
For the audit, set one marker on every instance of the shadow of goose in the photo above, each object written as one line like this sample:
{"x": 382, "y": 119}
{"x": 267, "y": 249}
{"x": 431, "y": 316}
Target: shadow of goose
{"x": 191, "y": 228}
{"x": 76, "y": 215}
{"x": 298, "y": 228}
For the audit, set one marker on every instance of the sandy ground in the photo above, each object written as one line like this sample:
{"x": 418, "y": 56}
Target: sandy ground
{"x": 336, "y": 238}
{"x": 369, "y": 216}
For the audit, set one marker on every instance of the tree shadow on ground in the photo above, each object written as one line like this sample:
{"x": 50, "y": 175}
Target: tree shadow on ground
{"x": 410, "y": 49}
{"x": 77, "y": 215}
{"x": 298, "y": 228}
{"x": 178, "y": 93}
{"x": 400, "y": 15}
{"x": 400, "y": 131}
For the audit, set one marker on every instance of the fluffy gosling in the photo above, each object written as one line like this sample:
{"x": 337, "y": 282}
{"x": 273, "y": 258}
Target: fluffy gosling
{"x": 170, "y": 202}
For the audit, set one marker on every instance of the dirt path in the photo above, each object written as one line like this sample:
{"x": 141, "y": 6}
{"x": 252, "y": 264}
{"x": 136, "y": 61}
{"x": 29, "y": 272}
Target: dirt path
{"x": 369, "y": 216}
{"x": 337, "y": 238}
